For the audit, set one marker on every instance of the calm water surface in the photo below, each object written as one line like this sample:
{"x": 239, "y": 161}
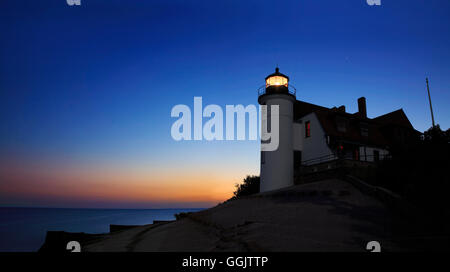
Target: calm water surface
{"x": 24, "y": 229}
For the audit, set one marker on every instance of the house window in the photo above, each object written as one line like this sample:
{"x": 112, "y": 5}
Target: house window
{"x": 364, "y": 130}
{"x": 356, "y": 155}
{"x": 307, "y": 129}
{"x": 341, "y": 124}
{"x": 376, "y": 155}
{"x": 341, "y": 127}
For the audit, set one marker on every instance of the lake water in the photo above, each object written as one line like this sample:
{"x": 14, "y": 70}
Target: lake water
{"x": 24, "y": 229}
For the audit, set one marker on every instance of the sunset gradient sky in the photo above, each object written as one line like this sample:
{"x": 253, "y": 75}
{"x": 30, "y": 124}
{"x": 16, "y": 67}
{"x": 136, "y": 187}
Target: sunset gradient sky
{"x": 86, "y": 92}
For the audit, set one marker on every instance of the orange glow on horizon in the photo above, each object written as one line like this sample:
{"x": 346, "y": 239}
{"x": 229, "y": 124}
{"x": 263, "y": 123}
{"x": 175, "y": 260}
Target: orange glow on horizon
{"x": 121, "y": 185}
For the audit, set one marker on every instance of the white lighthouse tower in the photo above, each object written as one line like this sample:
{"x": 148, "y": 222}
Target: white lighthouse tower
{"x": 277, "y": 166}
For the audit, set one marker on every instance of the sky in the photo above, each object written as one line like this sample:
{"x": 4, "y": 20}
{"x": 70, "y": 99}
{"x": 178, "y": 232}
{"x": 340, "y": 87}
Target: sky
{"x": 86, "y": 91}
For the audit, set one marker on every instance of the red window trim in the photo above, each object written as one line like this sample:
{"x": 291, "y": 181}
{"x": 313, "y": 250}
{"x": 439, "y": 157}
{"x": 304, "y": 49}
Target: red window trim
{"x": 307, "y": 129}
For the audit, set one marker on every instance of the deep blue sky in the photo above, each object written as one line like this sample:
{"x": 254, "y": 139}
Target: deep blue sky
{"x": 94, "y": 85}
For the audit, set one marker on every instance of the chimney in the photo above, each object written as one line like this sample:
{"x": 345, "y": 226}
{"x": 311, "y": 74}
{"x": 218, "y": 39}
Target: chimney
{"x": 341, "y": 108}
{"x": 362, "y": 107}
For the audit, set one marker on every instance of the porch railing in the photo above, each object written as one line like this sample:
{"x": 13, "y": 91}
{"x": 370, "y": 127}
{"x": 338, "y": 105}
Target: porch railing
{"x": 334, "y": 157}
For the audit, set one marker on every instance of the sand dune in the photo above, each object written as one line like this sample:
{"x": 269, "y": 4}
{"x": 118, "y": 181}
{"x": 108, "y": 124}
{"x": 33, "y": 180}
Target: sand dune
{"x": 330, "y": 215}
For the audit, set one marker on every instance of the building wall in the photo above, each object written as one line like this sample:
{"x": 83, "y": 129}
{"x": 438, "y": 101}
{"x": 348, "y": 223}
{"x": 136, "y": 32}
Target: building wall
{"x": 297, "y": 136}
{"x": 316, "y": 145}
{"x": 277, "y": 171}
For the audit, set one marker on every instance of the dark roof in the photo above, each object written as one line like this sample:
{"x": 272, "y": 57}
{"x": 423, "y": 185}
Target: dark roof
{"x": 303, "y": 108}
{"x": 352, "y": 132}
{"x": 397, "y": 118}
{"x": 328, "y": 119}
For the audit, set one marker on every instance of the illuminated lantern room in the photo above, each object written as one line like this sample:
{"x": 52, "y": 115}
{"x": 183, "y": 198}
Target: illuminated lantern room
{"x": 277, "y": 83}
{"x": 277, "y": 79}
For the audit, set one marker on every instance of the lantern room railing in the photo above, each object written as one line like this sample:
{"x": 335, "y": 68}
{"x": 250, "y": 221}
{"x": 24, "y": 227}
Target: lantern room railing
{"x": 291, "y": 90}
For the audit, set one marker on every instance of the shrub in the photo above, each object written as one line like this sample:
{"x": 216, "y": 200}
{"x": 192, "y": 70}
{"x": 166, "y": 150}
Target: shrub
{"x": 249, "y": 186}
{"x": 181, "y": 215}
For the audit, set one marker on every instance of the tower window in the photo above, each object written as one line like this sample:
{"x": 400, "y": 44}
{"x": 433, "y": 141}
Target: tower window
{"x": 307, "y": 129}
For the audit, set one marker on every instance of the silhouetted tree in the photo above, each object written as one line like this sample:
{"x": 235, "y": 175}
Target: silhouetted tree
{"x": 421, "y": 172}
{"x": 436, "y": 136}
{"x": 249, "y": 186}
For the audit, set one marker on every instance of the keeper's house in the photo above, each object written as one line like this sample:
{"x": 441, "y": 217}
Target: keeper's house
{"x": 312, "y": 134}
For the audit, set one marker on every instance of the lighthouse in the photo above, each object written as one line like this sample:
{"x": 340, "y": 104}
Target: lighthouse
{"x": 277, "y": 166}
